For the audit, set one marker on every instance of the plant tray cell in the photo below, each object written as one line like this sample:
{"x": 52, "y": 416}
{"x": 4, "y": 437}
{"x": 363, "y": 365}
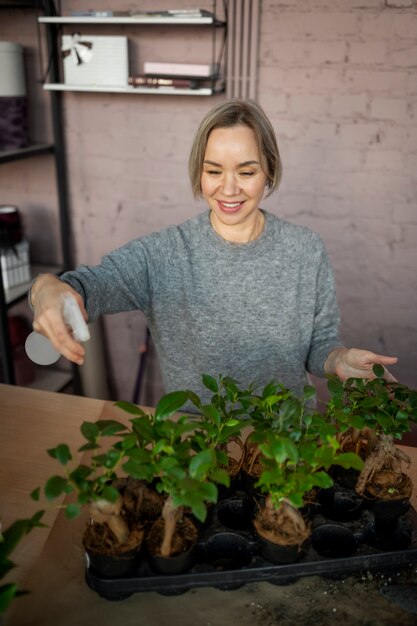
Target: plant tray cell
{"x": 228, "y": 556}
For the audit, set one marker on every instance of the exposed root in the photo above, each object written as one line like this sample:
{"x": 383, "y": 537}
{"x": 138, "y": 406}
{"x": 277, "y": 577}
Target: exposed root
{"x": 384, "y": 456}
{"x": 284, "y": 526}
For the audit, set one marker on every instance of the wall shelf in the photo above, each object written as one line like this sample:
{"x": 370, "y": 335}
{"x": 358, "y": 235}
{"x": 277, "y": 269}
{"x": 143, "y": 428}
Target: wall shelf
{"x": 23, "y": 153}
{"x": 183, "y": 21}
{"x": 154, "y": 91}
{"x": 14, "y": 294}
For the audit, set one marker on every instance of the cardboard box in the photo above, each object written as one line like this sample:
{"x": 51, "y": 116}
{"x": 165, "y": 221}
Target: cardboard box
{"x": 101, "y": 61}
{"x": 15, "y": 266}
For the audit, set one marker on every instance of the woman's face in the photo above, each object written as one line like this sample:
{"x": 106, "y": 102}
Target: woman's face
{"x": 233, "y": 181}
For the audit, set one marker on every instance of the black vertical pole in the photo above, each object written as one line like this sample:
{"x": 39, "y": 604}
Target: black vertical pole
{"x": 5, "y": 345}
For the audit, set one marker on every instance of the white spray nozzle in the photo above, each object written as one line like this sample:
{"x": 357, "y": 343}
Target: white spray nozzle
{"x": 74, "y": 318}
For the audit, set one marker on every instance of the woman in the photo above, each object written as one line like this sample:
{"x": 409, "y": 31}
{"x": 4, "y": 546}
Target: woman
{"x": 234, "y": 290}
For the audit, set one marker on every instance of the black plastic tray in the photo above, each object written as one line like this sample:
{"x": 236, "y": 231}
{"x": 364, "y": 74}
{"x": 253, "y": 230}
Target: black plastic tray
{"x": 228, "y": 558}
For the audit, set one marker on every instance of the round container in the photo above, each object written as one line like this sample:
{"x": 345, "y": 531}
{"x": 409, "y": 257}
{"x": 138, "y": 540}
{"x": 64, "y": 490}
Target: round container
{"x": 275, "y": 553}
{"x": 12, "y": 74}
{"x": 13, "y": 102}
{"x": 10, "y": 226}
{"x": 173, "y": 564}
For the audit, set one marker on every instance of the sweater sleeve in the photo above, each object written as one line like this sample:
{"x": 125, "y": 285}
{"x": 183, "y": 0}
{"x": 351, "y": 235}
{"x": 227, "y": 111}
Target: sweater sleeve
{"x": 325, "y": 336}
{"x": 119, "y": 283}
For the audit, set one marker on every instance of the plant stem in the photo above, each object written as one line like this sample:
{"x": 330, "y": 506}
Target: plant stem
{"x": 170, "y": 514}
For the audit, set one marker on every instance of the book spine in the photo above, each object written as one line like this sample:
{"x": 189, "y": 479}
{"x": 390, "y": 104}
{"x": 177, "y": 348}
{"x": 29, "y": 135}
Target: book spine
{"x": 149, "y": 81}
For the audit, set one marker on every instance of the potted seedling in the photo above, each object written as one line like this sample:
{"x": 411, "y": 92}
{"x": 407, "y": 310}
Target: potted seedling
{"x": 296, "y": 459}
{"x": 220, "y": 423}
{"x": 166, "y": 456}
{"x": 112, "y": 538}
{"x": 371, "y": 415}
{"x": 275, "y": 409}
{"x": 9, "y": 539}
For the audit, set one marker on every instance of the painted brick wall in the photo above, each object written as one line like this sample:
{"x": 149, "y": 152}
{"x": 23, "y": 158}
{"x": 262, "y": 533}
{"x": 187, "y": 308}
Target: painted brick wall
{"x": 338, "y": 80}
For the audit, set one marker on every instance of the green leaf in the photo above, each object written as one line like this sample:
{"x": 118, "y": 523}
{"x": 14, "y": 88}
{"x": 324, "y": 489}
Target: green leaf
{"x": 348, "y": 460}
{"x": 378, "y": 370}
{"x": 129, "y": 441}
{"x": 90, "y": 431}
{"x": 212, "y": 413}
{"x": 201, "y": 463}
{"x": 61, "y": 453}
{"x": 140, "y": 471}
{"x": 170, "y": 403}
{"x": 220, "y": 476}
{"x": 335, "y": 387}
{"x": 110, "y": 427}
{"x": 110, "y": 493}
{"x": 210, "y": 383}
{"x": 35, "y": 494}
{"x": 322, "y": 479}
{"x": 55, "y": 487}
{"x": 309, "y": 392}
{"x": 199, "y": 509}
{"x": 7, "y": 593}
{"x": 72, "y": 510}
{"x": 129, "y": 407}
{"x": 143, "y": 428}
{"x": 232, "y": 422}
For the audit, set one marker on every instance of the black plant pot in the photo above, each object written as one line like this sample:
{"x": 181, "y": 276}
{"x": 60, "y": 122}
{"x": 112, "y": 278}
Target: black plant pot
{"x": 387, "y": 512}
{"x": 278, "y": 554}
{"x": 236, "y": 512}
{"x": 248, "y": 482}
{"x": 113, "y": 566}
{"x": 345, "y": 477}
{"x": 337, "y": 539}
{"x": 226, "y": 492}
{"x": 177, "y": 564}
{"x": 340, "y": 504}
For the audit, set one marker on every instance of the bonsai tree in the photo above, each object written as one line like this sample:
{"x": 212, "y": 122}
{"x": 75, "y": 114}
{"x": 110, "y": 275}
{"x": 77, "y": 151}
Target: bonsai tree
{"x": 165, "y": 454}
{"x": 220, "y": 421}
{"x": 92, "y": 483}
{"x": 371, "y": 415}
{"x": 294, "y": 463}
{"x": 277, "y": 410}
{"x": 9, "y": 539}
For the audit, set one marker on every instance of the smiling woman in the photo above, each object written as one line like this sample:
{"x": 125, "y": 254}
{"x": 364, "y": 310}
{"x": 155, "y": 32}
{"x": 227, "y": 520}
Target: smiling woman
{"x": 235, "y": 290}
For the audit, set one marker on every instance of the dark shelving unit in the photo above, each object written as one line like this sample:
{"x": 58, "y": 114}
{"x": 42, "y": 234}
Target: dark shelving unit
{"x": 10, "y": 297}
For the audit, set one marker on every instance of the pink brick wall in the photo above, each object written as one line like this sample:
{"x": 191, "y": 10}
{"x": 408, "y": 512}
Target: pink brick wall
{"x": 338, "y": 80}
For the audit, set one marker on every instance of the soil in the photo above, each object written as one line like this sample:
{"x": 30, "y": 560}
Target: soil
{"x": 184, "y": 537}
{"x": 99, "y": 538}
{"x": 390, "y": 485}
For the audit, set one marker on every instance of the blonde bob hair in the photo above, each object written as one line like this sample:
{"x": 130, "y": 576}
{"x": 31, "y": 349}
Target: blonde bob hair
{"x": 237, "y": 113}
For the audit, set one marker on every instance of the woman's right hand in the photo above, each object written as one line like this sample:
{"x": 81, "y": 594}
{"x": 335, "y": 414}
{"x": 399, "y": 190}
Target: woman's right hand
{"x": 47, "y": 296}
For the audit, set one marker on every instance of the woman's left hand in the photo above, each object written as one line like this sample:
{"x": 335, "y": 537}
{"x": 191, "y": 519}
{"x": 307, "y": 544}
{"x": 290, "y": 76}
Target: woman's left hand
{"x": 355, "y": 363}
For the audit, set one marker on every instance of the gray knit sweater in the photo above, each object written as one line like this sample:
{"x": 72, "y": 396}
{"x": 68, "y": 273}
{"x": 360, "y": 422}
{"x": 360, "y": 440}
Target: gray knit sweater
{"x": 260, "y": 311}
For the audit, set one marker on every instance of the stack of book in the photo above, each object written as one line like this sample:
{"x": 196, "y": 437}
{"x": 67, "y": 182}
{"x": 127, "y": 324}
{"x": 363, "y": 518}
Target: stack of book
{"x": 176, "y": 75}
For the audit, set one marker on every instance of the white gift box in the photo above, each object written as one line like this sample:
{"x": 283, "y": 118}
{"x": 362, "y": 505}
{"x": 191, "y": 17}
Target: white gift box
{"x": 15, "y": 266}
{"x": 95, "y": 60}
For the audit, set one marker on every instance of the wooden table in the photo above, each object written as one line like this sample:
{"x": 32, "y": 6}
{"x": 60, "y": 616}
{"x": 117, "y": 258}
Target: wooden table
{"x": 51, "y": 561}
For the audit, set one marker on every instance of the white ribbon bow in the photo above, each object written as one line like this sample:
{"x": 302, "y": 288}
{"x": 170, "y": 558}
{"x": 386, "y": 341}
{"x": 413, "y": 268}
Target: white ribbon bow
{"x": 79, "y": 51}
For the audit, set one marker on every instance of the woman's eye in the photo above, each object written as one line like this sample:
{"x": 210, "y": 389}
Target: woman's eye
{"x": 247, "y": 173}
{"x": 213, "y": 172}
